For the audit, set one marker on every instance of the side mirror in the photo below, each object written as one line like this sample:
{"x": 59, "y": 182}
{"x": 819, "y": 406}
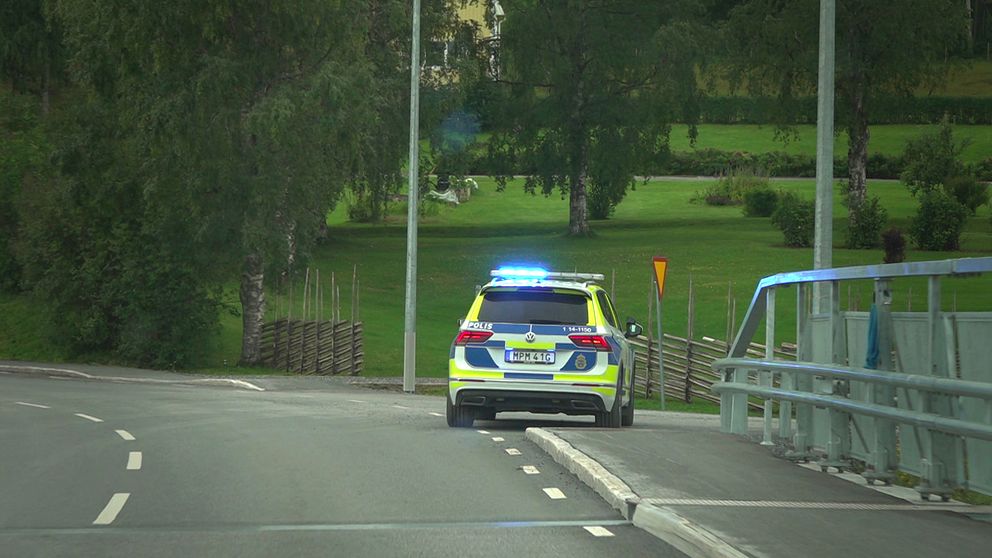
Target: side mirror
{"x": 633, "y": 329}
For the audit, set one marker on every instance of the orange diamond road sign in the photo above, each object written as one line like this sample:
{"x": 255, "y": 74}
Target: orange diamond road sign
{"x": 660, "y": 266}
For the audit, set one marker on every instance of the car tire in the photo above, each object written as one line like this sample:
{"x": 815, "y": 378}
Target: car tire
{"x": 614, "y": 417}
{"x": 627, "y": 415}
{"x": 458, "y": 416}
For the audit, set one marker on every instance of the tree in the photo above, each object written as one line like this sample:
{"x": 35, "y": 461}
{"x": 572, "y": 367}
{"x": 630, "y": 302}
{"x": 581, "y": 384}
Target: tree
{"x": 588, "y": 90}
{"x": 882, "y": 48}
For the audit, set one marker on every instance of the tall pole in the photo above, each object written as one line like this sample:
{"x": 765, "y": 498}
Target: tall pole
{"x": 824, "y": 232}
{"x": 410, "y": 328}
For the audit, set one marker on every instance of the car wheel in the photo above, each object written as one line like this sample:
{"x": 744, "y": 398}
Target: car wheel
{"x": 458, "y": 416}
{"x": 627, "y": 415}
{"x": 613, "y": 418}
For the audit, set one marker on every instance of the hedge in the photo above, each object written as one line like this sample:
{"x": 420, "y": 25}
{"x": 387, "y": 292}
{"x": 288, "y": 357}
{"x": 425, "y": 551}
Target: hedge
{"x": 891, "y": 109}
{"x": 714, "y": 162}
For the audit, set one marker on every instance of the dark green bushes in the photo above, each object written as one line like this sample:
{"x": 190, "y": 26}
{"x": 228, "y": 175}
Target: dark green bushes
{"x": 795, "y": 217}
{"x": 760, "y": 202}
{"x": 889, "y": 109}
{"x": 865, "y": 224}
{"x": 938, "y": 222}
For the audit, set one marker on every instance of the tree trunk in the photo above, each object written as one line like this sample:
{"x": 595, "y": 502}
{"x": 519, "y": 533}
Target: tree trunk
{"x": 857, "y": 152}
{"x": 252, "y": 310}
{"x": 578, "y": 215}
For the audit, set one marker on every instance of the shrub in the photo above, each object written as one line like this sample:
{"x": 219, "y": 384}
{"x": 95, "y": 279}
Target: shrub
{"x": 731, "y": 187}
{"x": 968, "y": 191}
{"x": 938, "y": 222}
{"x": 795, "y": 217}
{"x": 930, "y": 159}
{"x": 760, "y": 202}
{"x": 894, "y": 244}
{"x": 865, "y": 224}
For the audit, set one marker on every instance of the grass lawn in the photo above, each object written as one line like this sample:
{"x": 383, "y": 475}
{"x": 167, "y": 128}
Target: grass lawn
{"x": 716, "y": 245}
{"x": 458, "y": 246}
{"x": 885, "y": 139}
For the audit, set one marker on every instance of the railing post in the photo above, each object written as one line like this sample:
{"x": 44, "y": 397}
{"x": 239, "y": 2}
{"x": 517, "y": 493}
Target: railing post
{"x": 883, "y": 454}
{"x": 939, "y": 464}
{"x": 839, "y": 440}
{"x": 765, "y": 376}
{"x": 803, "y": 382}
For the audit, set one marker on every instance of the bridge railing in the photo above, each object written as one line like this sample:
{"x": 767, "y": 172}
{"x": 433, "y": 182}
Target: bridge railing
{"x": 880, "y": 391}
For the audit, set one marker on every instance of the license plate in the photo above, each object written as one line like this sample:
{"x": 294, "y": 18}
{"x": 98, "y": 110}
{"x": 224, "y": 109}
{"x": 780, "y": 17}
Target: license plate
{"x": 529, "y": 357}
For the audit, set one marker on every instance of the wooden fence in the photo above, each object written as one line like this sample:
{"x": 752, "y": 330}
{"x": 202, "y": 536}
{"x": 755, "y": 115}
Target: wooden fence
{"x": 688, "y": 371}
{"x": 313, "y": 347}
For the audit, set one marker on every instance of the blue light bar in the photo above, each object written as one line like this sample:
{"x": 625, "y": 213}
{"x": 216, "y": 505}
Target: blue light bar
{"x": 519, "y": 273}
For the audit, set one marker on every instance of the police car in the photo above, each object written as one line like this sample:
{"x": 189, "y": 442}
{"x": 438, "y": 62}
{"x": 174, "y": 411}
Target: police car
{"x": 544, "y": 342}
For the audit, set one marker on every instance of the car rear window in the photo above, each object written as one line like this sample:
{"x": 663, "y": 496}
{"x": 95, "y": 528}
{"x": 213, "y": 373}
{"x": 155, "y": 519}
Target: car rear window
{"x": 534, "y": 307}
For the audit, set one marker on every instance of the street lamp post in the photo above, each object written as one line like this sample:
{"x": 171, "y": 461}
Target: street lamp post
{"x": 410, "y": 324}
{"x": 824, "y": 224}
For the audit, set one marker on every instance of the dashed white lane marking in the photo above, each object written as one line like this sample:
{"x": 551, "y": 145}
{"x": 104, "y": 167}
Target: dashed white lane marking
{"x": 554, "y": 493}
{"x": 482, "y": 431}
{"x": 498, "y": 439}
{"x": 530, "y": 470}
{"x": 597, "y": 531}
{"x": 400, "y": 407}
{"x": 4, "y": 373}
{"x": 436, "y": 414}
{"x": 512, "y": 451}
{"x": 35, "y": 405}
{"x": 355, "y": 401}
{"x": 87, "y": 417}
{"x": 114, "y": 507}
{"x": 134, "y": 461}
{"x": 125, "y": 434}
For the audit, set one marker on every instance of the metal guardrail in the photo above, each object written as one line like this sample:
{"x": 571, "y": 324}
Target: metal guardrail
{"x": 924, "y": 408}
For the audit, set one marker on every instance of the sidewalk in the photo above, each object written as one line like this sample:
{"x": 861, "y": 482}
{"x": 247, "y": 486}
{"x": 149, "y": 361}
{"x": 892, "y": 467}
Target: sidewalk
{"x": 721, "y": 495}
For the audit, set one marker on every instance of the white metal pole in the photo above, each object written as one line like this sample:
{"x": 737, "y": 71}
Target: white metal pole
{"x": 410, "y": 327}
{"x": 661, "y": 347}
{"x": 823, "y": 243}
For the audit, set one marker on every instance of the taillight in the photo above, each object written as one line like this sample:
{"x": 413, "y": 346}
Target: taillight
{"x": 470, "y": 336}
{"x": 597, "y": 342}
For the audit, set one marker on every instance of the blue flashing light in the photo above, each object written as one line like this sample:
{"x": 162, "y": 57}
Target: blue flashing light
{"x": 520, "y": 273}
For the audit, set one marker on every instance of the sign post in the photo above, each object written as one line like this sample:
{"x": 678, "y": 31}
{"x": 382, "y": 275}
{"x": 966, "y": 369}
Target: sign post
{"x": 660, "y": 267}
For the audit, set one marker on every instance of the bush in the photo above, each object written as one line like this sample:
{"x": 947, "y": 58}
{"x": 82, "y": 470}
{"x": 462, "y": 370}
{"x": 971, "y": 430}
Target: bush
{"x": 731, "y": 188}
{"x": 938, "y": 222}
{"x": 894, "y": 244}
{"x": 865, "y": 224}
{"x": 760, "y": 202}
{"x": 930, "y": 159}
{"x": 968, "y": 191}
{"x": 888, "y": 109}
{"x": 796, "y": 219}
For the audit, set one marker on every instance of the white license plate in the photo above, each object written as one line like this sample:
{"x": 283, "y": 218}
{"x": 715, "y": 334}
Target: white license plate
{"x": 529, "y": 357}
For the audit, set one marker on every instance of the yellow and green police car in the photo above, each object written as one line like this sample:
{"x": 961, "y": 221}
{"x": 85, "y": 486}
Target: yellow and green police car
{"x": 543, "y": 342}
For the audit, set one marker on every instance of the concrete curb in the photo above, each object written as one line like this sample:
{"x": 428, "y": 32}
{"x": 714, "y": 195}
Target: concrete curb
{"x": 616, "y": 492}
{"x": 69, "y": 373}
{"x": 663, "y": 523}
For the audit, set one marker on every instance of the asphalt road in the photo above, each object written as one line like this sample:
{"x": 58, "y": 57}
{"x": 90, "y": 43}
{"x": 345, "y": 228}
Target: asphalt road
{"x": 178, "y": 470}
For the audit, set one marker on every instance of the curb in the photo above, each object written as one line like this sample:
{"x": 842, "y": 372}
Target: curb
{"x": 689, "y": 537}
{"x": 68, "y": 373}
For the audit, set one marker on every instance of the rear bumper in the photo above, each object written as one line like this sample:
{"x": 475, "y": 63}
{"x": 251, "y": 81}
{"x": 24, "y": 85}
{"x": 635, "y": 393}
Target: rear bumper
{"x": 534, "y": 401}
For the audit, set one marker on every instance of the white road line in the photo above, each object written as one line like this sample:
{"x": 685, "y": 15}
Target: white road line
{"x": 125, "y": 434}
{"x": 355, "y": 401}
{"x": 512, "y": 451}
{"x": 5, "y": 373}
{"x": 554, "y": 493}
{"x": 134, "y": 461}
{"x": 530, "y": 470}
{"x": 35, "y": 405}
{"x": 482, "y": 431}
{"x": 498, "y": 439}
{"x": 437, "y": 414}
{"x": 114, "y": 507}
{"x": 400, "y": 407}
{"x": 87, "y": 417}
{"x": 597, "y": 531}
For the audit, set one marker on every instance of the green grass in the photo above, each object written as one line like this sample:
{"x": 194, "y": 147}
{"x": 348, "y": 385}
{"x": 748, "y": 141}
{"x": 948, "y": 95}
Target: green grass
{"x": 459, "y": 245}
{"x": 971, "y": 79}
{"x": 885, "y": 139}
{"x": 717, "y": 245}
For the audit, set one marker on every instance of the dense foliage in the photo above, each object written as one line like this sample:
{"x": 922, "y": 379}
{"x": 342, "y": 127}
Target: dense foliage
{"x": 795, "y": 217}
{"x": 938, "y": 222}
